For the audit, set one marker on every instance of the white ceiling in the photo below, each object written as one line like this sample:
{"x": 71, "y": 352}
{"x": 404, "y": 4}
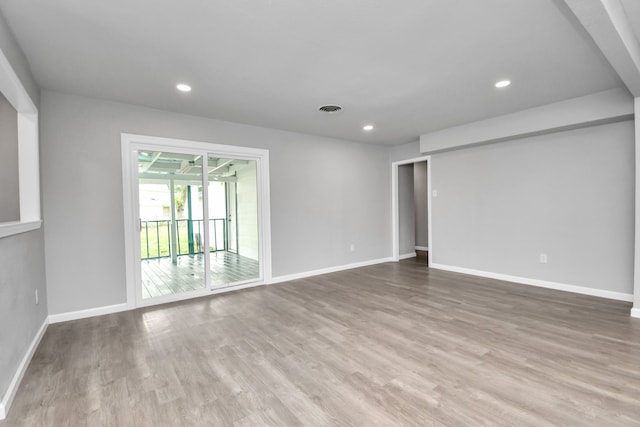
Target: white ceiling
{"x": 408, "y": 67}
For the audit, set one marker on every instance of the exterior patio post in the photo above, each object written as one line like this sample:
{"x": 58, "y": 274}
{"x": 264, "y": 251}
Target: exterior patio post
{"x": 174, "y": 224}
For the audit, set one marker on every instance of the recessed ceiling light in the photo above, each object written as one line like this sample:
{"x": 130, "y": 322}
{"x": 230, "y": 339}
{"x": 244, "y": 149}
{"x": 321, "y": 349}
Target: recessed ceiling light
{"x": 503, "y": 83}
{"x": 183, "y": 87}
{"x": 367, "y": 128}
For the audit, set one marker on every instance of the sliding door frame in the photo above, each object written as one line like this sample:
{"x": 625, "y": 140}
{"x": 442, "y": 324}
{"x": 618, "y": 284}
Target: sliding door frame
{"x": 130, "y": 145}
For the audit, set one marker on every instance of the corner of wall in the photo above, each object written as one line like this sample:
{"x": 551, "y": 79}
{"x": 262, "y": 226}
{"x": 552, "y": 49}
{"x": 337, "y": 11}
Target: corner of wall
{"x": 10, "y": 394}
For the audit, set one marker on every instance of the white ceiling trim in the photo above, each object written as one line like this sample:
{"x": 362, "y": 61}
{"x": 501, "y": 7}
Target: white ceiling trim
{"x": 608, "y": 24}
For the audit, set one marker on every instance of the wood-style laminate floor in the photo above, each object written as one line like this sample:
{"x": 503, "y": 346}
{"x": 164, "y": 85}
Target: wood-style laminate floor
{"x": 161, "y": 277}
{"x": 388, "y": 345}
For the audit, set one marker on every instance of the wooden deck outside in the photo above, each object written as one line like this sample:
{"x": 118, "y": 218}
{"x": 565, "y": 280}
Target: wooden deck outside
{"x": 160, "y": 277}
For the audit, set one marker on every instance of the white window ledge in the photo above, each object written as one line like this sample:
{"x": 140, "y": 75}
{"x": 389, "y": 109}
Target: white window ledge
{"x": 11, "y": 228}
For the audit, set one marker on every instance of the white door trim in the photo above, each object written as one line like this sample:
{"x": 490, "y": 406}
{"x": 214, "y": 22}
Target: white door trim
{"x": 130, "y": 143}
{"x": 395, "y": 215}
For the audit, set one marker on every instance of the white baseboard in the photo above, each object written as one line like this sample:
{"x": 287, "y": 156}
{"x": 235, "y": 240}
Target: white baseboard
{"x": 116, "y": 308}
{"x": 90, "y": 312}
{"x": 635, "y": 312}
{"x": 280, "y": 279}
{"x": 540, "y": 283}
{"x": 422, "y": 248}
{"x": 406, "y": 256}
{"x": 7, "y": 400}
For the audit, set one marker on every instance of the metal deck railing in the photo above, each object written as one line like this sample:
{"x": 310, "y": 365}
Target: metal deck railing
{"x": 155, "y": 237}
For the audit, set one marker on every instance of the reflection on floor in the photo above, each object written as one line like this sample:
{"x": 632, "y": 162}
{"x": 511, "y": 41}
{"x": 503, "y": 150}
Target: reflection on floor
{"x": 161, "y": 277}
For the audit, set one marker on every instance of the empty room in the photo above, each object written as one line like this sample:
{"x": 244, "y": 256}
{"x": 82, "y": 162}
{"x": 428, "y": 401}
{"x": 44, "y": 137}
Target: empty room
{"x": 337, "y": 213}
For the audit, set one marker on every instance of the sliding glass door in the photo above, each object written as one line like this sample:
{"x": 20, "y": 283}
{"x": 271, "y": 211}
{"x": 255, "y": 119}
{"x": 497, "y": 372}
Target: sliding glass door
{"x": 171, "y": 222}
{"x": 233, "y": 193}
{"x": 195, "y": 218}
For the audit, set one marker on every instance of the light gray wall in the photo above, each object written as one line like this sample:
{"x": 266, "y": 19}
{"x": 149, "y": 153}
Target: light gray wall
{"x": 9, "y": 190}
{"x": 21, "y": 261}
{"x": 568, "y": 194}
{"x": 421, "y": 202}
{"x": 410, "y": 150}
{"x": 406, "y": 210}
{"x": 21, "y": 273}
{"x": 325, "y": 194}
{"x": 608, "y": 106}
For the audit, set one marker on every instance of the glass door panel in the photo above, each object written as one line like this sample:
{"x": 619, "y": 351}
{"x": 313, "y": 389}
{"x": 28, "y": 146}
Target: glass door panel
{"x": 170, "y": 200}
{"x": 233, "y": 207}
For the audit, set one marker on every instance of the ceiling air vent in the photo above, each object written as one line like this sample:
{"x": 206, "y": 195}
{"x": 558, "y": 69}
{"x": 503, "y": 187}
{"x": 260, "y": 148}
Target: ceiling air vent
{"x": 330, "y": 109}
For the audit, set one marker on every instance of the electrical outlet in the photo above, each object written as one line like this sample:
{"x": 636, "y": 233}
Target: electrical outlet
{"x": 434, "y": 193}
{"x": 543, "y": 258}
{"x": 352, "y": 248}
{"x": 37, "y": 299}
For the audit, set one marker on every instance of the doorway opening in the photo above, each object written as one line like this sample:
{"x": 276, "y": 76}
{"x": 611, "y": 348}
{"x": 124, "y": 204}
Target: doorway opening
{"x": 411, "y": 210}
{"x": 196, "y": 218}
